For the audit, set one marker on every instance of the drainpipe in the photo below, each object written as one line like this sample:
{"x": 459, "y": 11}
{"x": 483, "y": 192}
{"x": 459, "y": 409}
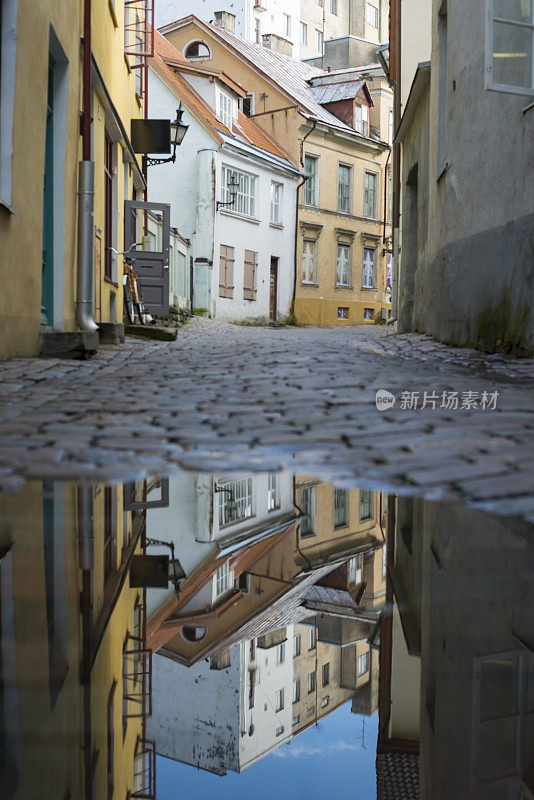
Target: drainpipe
{"x": 85, "y": 562}
{"x": 299, "y": 186}
{"x": 86, "y": 193}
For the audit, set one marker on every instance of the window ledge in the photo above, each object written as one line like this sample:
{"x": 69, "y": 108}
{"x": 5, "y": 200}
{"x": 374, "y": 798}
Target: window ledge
{"x": 276, "y": 225}
{"x": 340, "y": 287}
{"x": 237, "y": 215}
{"x": 6, "y": 207}
{"x": 369, "y": 289}
{"x": 309, "y": 285}
{"x": 528, "y": 108}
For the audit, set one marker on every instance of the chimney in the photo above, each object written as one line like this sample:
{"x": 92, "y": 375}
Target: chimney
{"x": 277, "y": 43}
{"x": 223, "y": 19}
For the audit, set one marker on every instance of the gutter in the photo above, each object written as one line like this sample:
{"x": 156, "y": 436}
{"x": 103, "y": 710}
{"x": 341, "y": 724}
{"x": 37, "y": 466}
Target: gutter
{"x": 299, "y": 186}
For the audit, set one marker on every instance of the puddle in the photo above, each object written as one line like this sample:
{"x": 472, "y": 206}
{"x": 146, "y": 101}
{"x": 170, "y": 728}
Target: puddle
{"x": 250, "y": 634}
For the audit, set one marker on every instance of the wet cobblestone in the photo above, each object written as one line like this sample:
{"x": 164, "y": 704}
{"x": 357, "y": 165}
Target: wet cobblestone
{"x": 227, "y": 397}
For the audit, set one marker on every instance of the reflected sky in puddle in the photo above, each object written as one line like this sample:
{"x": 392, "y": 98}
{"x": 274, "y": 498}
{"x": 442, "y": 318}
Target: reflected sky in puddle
{"x": 240, "y": 634}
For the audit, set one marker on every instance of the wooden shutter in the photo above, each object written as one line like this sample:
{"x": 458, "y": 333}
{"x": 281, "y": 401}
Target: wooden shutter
{"x": 249, "y": 279}
{"x": 226, "y": 271}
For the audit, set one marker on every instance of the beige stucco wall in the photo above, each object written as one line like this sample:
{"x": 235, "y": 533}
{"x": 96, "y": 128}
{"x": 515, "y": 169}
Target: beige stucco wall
{"x": 416, "y": 41}
{"x": 405, "y": 686}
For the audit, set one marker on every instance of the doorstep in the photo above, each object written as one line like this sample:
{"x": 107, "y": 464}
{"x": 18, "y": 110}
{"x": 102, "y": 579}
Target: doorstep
{"x": 73, "y": 344}
{"x": 151, "y": 332}
{"x": 111, "y": 332}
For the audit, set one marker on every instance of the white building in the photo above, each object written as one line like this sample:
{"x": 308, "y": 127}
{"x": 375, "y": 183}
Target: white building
{"x": 254, "y": 19}
{"x": 242, "y": 241}
{"x": 223, "y": 715}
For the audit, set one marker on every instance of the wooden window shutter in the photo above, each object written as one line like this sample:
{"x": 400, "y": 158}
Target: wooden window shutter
{"x": 226, "y": 271}
{"x": 249, "y": 280}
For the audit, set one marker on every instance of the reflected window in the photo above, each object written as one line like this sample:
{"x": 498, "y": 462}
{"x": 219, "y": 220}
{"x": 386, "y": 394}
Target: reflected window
{"x": 280, "y": 700}
{"x": 222, "y": 579}
{"x": 307, "y": 506}
{"x": 510, "y": 46}
{"x": 312, "y": 639}
{"x": 310, "y": 711}
{"x": 280, "y": 730}
{"x": 235, "y": 501}
{"x": 363, "y": 664}
{"x": 281, "y": 653}
{"x": 341, "y": 508}
{"x": 355, "y": 570}
{"x": 273, "y": 493}
{"x": 193, "y": 633}
{"x": 325, "y": 701}
{"x": 311, "y": 682}
{"x": 384, "y": 560}
{"x": 326, "y": 674}
{"x": 296, "y": 719}
{"x": 296, "y": 645}
{"x": 366, "y": 504}
{"x": 296, "y": 690}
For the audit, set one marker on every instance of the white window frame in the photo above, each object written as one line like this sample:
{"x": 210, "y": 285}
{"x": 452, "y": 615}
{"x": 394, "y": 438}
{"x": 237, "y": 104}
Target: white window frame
{"x": 311, "y": 187}
{"x": 247, "y": 191}
{"x": 297, "y": 645}
{"x": 281, "y": 653}
{"x": 303, "y": 34}
{"x": 361, "y": 118}
{"x": 8, "y": 53}
{"x": 345, "y": 507}
{"x": 355, "y": 570}
{"x": 308, "y": 274}
{"x": 372, "y": 16}
{"x": 312, "y": 639}
{"x": 273, "y": 492}
{"x": 366, "y": 502}
{"x": 225, "y": 108}
{"x": 368, "y": 283}
{"x": 366, "y": 189}
{"x": 296, "y": 690}
{"x": 241, "y": 500}
{"x": 344, "y": 189}
{"x": 490, "y": 83}
{"x": 319, "y": 41}
{"x": 363, "y": 660}
{"x": 276, "y": 201}
{"x": 343, "y": 265}
{"x": 287, "y": 24}
{"x": 333, "y": 7}
{"x": 280, "y": 700}
{"x": 222, "y": 579}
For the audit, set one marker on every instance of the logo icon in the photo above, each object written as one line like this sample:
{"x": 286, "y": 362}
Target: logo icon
{"x": 384, "y": 400}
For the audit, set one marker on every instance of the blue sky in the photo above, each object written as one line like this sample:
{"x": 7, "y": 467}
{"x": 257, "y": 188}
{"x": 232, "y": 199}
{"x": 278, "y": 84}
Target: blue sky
{"x": 322, "y": 760}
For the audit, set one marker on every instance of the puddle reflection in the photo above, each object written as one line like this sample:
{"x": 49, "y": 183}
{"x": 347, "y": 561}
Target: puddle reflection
{"x": 242, "y": 626}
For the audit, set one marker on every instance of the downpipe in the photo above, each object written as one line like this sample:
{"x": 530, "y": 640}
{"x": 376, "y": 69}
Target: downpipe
{"x": 85, "y": 283}
{"x": 85, "y": 564}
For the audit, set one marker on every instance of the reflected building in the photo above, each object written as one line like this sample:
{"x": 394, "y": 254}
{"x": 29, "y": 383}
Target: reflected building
{"x": 457, "y": 655}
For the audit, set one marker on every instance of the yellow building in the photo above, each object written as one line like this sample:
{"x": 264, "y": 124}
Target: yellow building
{"x": 339, "y": 136}
{"x": 57, "y": 270}
{"x": 74, "y": 668}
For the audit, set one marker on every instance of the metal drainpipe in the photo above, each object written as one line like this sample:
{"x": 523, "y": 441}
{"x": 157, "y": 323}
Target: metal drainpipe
{"x": 85, "y": 562}
{"x": 86, "y": 194}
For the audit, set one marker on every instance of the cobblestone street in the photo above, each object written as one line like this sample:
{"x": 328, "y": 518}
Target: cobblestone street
{"x": 225, "y": 397}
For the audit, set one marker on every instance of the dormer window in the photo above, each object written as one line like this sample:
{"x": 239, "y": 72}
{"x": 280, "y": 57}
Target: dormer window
{"x": 197, "y": 51}
{"x": 225, "y": 109}
{"x": 361, "y": 118}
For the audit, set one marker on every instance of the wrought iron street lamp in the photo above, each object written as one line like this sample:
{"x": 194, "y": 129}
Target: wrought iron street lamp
{"x": 178, "y": 131}
{"x": 232, "y": 185}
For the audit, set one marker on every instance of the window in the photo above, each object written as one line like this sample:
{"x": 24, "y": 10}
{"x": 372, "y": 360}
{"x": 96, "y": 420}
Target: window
{"x": 363, "y": 664}
{"x": 310, "y": 187}
{"x": 287, "y": 25}
{"x": 303, "y": 33}
{"x": 245, "y": 201}
{"x": 368, "y": 275}
{"x": 510, "y": 46}
{"x": 320, "y": 3}
{"x": 281, "y": 653}
{"x": 307, "y": 506}
{"x": 280, "y": 730}
{"x": 372, "y": 15}
{"x": 312, "y": 639}
{"x": 342, "y": 265}
{"x": 235, "y": 502}
{"x": 273, "y": 494}
{"x": 389, "y": 209}
{"x": 369, "y": 195}
{"x": 296, "y": 645}
{"x": 366, "y": 504}
{"x": 257, "y": 30}
{"x": 361, "y": 118}
{"x": 108, "y": 206}
{"x": 341, "y": 508}
{"x": 368, "y": 313}
{"x": 308, "y": 262}
{"x": 310, "y": 711}
{"x": 250, "y": 270}
{"x": 296, "y": 720}
{"x": 311, "y": 682}
{"x": 333, "y": 7}
{"x": 325, "y": 701}
{"x": 326, "y": 674}
{"x": 226, "y": 271}
{"x": 110, "y": 532}
{"x": 111, "y": 741}
{"x": 355, "y": 570}
{"x": 296, "y": 690}
{"x": 197, "y": 51}
{"x": 276, "y": 195}
{"x": 343, "y": 188}
{"x": 319, "y": 41}
{"x": 246, "y": 104}
{"x": 342, "y": 312}
{"x": 225, "y": 110}
{"x": 222, "y": 579}
{"x": 280, "y": 700}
